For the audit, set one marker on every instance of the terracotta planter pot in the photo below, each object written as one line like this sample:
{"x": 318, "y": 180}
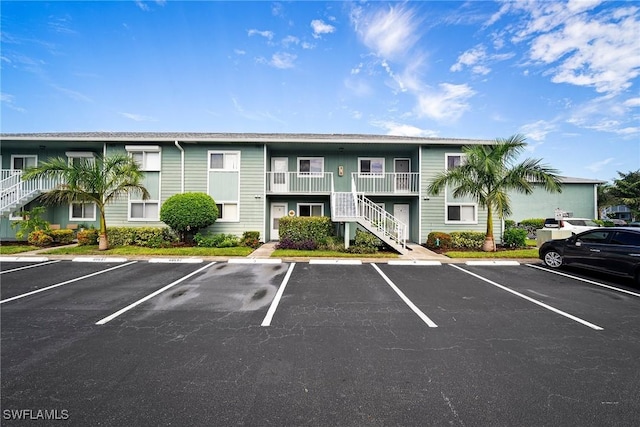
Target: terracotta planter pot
{"x": 489, "y": 245}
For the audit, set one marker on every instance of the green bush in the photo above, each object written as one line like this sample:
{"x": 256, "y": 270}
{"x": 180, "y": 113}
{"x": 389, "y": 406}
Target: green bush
{"x": 64, "y": 237}
{"x": 509, "y": 223}
{"x": 31, "y": 222}
{"x": 532, "y": 225}
{"x": 332, "y": 243}
{"x": 216, "y": 240}
{"x": 301, "y": 229}
{"x": 250, "y": 239}
{"x": 188, "y": 212}
{"x": 87, "y": 237}
{"x": 467, "y": 239}
{"x": 515, "y": 238}
{"x": 149, "y": 237}
{"x": 39, "y": 238}
{"x": 364, "y": 243}
{"x": 438, "y": 240}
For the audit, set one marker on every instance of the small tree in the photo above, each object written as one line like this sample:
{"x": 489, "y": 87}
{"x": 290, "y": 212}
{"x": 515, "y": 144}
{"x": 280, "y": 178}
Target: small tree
{"x": 31, "y": 221}
{"x": 189, "y": 212}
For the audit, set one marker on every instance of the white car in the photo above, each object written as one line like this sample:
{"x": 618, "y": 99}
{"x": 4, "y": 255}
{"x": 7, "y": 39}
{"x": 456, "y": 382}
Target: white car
{"x": 576, "y": 225}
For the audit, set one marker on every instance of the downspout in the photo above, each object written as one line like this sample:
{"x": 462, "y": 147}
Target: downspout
{"x": 181, "y": 166}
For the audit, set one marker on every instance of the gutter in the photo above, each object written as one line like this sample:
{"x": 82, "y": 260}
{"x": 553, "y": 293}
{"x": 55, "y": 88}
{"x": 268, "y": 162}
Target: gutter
{"x": 181, "y": 166}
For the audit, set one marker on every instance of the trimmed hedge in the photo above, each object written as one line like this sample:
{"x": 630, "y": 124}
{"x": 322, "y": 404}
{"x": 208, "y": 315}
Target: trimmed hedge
{"x": 467, "y": 239}
{"x": 187, "y": 213}
{"x": 216, "y": 240}
{"x": 514, "y": 238}
{"x": 40, "y": 238}
{"x": 64, "y": 237}
{"x": 88, "y": 236}
{"x": 438, "y": 240}
{"x": 299, "y": 229}
{"x": 150, "y": 237}
{"x": 250, "y": 239}
{"x": 532, "y": 225}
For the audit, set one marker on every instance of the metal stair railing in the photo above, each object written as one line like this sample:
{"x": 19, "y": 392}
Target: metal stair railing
{"x": 15, "y": 192}
{"x": 381, "y": 221}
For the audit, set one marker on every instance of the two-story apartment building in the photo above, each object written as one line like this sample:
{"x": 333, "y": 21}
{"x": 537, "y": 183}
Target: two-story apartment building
{"x": 372, "y": 181}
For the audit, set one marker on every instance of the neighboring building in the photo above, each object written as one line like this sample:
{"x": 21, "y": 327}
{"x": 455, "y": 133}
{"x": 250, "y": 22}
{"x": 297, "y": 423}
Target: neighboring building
{"x": 371, "y": 181}
{"x": 618, "y": 212}
{"x": 579, "y": 198}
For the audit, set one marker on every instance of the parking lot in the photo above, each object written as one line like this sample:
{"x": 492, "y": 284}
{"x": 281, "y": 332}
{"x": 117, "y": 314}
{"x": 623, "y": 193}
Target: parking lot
{"x": 223, "y": 343}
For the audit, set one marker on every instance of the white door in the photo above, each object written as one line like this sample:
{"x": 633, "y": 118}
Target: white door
{"x": 402, "y": 167}
{"x": 401, "y": 212}
{"x": 279, "y": 174}
{"x": 278, "y": 210}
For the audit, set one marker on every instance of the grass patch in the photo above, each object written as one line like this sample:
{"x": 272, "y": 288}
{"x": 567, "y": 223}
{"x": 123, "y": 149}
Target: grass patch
{"x": 292, "y": 253}
{"x": 137, "y": 250}
{"x": 16, "y": 249}
{"x": 517, "y": 253}
{"x": 531, "y": 242}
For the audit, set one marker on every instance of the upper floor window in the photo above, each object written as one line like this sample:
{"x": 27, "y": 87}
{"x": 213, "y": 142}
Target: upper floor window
{"x": 147, "y": 157}
{"x": 310, "y": 165}
{"x": 77, "y": 157}
{"x": 371, "y": 166}
{"x": 454, "y": 160}
{"x": 22, "y": 162}
{"x": 224, "y": 160}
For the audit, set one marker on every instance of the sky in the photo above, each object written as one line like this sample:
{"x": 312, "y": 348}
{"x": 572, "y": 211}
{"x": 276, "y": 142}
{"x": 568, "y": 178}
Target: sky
{"x": 564, "y": 74}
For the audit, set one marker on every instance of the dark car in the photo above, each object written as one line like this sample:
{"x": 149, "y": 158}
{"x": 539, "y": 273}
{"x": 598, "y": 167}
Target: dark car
{"x": 609, "y": 250}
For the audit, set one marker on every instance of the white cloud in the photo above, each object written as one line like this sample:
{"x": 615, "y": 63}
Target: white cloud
{"x": 607, "y": 114}
{"x": 266, "y": 34}
{"x": 289, "y": 40}
{"x": 402, "y": 129}
{"x": 72, "y": 93}
{"x": 138, "y": 117}
{"x": 240, "y": 52}
{"x": 358, "y": 87}
{"x": 632, "y": 102}
{"x": 320, "y": 27}
{"x": 144, "y": 5}
{"x": 538, "y": 130}
{"x": 61, "y": 24}
{"x": 283, "y": 60}
{"x": 446, "y": 104}
{"x": 478, "y": 59}
{"x": 9, "y": 102}
{"x": 598, "y": 166}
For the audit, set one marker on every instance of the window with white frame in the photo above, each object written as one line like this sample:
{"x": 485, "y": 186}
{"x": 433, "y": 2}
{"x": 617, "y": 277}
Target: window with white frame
{"x": 224, "y": 160}
{"x": 371, "y": 166}
{"x": 77, "y": 157}
{"x": 147, "y": 157}
{"x": 310, "y": 166}
{"x": 144, "y": 210}
{"x": 16, "y": 215}
{"x": 227, "y": 212}
{"x": 455, "y": 160}
{"x": 462, "y": 213}
{"x": 82, "y": 211}
{"x": 22, "y": 162}
{"x": 310, "y": 209}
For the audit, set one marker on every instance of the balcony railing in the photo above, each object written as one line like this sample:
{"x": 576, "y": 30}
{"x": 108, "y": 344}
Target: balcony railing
{"x": 387, "y": 183}
{"x": 299, "y": 183}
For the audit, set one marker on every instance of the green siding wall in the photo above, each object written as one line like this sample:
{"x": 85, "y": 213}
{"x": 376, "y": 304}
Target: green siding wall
{"x": 576, "y": 198}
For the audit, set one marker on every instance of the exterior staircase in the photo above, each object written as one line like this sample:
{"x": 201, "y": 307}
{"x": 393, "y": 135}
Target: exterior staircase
{"x": 15, "y": 193}
{"x": 355, "y": 207}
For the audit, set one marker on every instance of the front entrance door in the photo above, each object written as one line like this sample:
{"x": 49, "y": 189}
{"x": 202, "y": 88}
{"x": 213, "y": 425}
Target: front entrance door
{"x": 402, "y": 167}
{"x": 278, "y": 210}
{"x": 401, "y": 212}
{"x": 279, "y": 174}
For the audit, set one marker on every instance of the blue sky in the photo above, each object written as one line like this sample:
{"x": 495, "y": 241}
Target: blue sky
{"x": 565, "y": 74}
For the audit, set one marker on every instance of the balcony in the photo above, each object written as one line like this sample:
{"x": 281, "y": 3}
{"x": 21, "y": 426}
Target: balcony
{"x": 392, "y": 183}
{"x": 299, "y": 183}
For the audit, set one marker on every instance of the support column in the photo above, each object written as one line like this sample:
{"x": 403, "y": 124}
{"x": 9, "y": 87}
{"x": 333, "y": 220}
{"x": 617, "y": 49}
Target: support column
{"x": 346, "y": 235}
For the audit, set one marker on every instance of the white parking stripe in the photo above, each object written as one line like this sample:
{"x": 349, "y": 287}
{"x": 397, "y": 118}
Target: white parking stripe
{"x": 492, "y": 262}
{"x": 99, "y": 259}
{"x": 254, "y": 261}
{"x": 176, "y": 261}
{"x": 66, "y": 283}
{"x": 541, "y": 304}
{"x": 336, "y": 261}
{"x": 411, "y": 305}
{"x": 413, "y": 262}
{"x": 276, "y": 299}
{"x": 151, "y": 295}
{"x": 582, "y": 279}
{"x": 29, "y": 266}
{"x": 23, "y": 258}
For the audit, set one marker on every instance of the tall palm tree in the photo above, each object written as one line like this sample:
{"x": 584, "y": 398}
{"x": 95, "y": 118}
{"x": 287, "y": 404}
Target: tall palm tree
{"x": 489, "y": 172}
{"x": 101, "y": 180}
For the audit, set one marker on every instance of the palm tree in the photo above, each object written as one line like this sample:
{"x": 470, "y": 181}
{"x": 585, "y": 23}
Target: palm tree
{"x": 101, "y": 180}
{"x": 489, "y": 172}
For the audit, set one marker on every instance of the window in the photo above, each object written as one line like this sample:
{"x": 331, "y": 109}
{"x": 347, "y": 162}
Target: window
{"x": 15, "y": 215}
{"x": 310, "y": 166}
{"x": 626, "y": 238}
{"x": 461, "y": 213}
{"x": 310, "y": 209}
{"x": 371, "y": 166}
{"x": 222, "y": 160}
{"x": 454, "y": 160}
{"x": 22, "y": 162}
{"x": 82, "y": 211}
{"x": 77, "y": 157}
{"x": 227, "y": 211}
{"x": 143, "y": 211}
{"x": 147, "y": 157}
{"x": 595, "y": 237}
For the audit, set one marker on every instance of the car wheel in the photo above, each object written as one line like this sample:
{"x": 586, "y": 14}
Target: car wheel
{"x": 552, "y": 259}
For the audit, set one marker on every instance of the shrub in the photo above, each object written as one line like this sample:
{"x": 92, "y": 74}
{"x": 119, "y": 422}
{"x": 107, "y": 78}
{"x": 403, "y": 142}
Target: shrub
{"x": 250, "y": 239}
{"x": 438, "y": 240}
{"x": 39, "y": 238}
{"x": 509, "y": 223}
{"x": 515, "y": 238}
{"x": 287, "y": 243}
{"x": 150, "y": 237}
{"x": 216, "y": 240}
{"x": 467, "y": 239}
{"x": 87, "y": 237}
{"x": 299, "y": 229}
{"x": 64, "y": 237}
{"x": 188, "y": 212}
{"x": 532, "y": 225}
{"x": 31, "y": 222}
{"x": 332, "y": 243}
{"x": 364, "y": 243}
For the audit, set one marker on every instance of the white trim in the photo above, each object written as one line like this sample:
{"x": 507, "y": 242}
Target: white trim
{"x": 72, "y": 218}
{"x": 420, "y": 195}
{"x": 446, "y": 213}
{"x": 224, "y": 153}
{"x": 309, "y": 174}
{"x": 138, "y": 148}
{"x": 237, "y": 204}
{"x": 74, "y": 154}
{"x": 144, "y": 203}
{"x": 271, "y": 218}
{"x": 371, "y": 174}
{"x": 311, "y": 204}
{"x": 145, "y": 164}
{"x": 446, "y": 159}
{"x": 14, "y": 156}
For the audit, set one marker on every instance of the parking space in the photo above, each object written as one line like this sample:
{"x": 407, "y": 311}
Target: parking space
{"x": 371, "y": 344}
